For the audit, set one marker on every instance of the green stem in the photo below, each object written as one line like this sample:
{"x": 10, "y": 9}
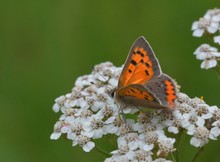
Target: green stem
{"x": 197, "y": 154}
{"x": 217, "y": 69}
{"x": 180, "y": 144}
{"x": 98, "y": 149}
{"x": 174, "y": 160}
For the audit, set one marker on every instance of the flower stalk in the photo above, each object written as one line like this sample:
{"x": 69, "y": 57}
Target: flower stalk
{"x": 101, "y": 151}
{"x": 200, "y": 150}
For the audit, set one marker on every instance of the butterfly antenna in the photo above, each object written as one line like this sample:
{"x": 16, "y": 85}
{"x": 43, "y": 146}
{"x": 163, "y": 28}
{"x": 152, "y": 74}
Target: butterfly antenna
{"x": 99, "y": 74}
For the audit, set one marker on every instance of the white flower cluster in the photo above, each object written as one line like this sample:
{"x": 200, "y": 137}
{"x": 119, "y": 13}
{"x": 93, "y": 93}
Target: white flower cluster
{"x": 208, "y": 54}
{"x": 89, "y": 113}
{"x": 209, "y": 23}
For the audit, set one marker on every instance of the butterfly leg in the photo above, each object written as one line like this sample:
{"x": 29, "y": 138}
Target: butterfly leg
{"x": 141, "y": 110}
{"x": 123, "y": 115}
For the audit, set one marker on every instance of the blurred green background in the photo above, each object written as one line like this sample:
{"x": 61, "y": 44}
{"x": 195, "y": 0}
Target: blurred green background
{"x": 46, "y": 45}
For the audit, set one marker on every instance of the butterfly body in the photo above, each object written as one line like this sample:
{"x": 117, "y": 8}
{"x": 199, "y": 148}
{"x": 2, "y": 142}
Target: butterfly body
{"x": 142, "y": 82}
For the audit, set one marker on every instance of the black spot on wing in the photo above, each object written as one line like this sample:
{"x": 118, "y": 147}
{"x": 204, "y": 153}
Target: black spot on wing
{"x": 147, "y": 97}
{"x": 133, "y": 62}
{"x": 140, "y": 53}
{"x": 141, "y": 92}
{"x": 132, "y": 90}
{"x": 147, "y": 72}
{"x": 147, "y": 64}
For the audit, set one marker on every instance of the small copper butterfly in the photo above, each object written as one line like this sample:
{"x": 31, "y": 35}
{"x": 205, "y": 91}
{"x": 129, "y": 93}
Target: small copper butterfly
{"x": 142, "y": 82}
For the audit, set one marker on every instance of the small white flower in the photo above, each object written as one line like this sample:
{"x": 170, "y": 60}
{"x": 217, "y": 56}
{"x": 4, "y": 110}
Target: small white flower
{"x": 117, "y": 158}
{"x": 94, "y": 127}
{"x": 206, "y": 51}
{"x": 124, "y": 148}
{"x": 215, "y": 131}
{"x": 75, "y": 125}
{"x": 183, "y": 98}
{"x": 113, "y": 125}
{"x": 132, "y": 140}
{"x": 113, "y": 82}
{"x": 208, "y": 54}
{"x": 59, "y": 103}
{"x": 142, "y": 156}
{"x": 165, "y": 146}
{"x": 200, "y": 137}
{"x": 202, "y": 111}
{"x": 174, "y": 128}
{"x": 214, "y": 14}
{"x": 204, "y": 24}
{"x": 147, "y": 140}
{"x": 207, "y": 64}
{"x": 192, "y": 122}
{"x": 209, "y": 22}
{"x": 215, "y": 111}
{"x": 194, "y": 102}
{"x": 85, "y": 80}
{"x": 88, "y": 146}
{"x": 76, "y": 102}
{"x": 55, "y": 135}
{"x": 97, "y": 105}
{"x": 217, "y": 39}
{"x": 84, "y": 142}
{"x": 56, "y": 107}
{"x": 161, "y": 160}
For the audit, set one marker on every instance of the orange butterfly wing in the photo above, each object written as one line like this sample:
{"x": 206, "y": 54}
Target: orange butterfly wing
{"x": 140, "y": 66}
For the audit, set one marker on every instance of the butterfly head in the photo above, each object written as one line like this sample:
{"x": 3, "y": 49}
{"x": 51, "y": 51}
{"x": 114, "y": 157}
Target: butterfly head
{"x": 112, "y": 92}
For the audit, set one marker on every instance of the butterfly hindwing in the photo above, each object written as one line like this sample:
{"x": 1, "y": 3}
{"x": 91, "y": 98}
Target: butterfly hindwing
{"x": 140, "y": 66}
{"x": 138, "y": 95}
{"x": 164, "y": 89}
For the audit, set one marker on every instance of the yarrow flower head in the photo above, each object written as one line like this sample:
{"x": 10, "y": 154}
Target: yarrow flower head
{"x": 89, "y": 112}
{"x": 208, "y": 54}
{"x": 209, "y": 23}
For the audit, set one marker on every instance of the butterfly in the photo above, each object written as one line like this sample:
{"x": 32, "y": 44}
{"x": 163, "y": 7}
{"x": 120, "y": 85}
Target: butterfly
{"x": 142, "y": 82}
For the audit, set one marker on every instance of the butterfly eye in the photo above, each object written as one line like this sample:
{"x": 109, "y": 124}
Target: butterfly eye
{"x": 112, "y": 93}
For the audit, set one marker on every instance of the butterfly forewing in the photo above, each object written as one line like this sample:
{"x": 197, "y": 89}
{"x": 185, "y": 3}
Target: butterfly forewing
{"x": 141, "y": 64}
